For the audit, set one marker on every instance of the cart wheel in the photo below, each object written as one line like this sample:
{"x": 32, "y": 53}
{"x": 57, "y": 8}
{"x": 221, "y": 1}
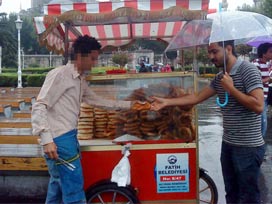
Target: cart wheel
{"x": 107, "y": 192}
{"x": 207, "y": 188}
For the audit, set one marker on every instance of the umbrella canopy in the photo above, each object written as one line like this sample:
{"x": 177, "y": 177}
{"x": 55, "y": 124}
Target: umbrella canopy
{"x": 229, "y": 25}
{"x": 255, "y": 42}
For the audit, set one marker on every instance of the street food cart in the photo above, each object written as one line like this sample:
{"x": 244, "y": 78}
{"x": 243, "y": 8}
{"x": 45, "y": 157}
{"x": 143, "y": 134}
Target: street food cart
{"x": 164, "y": 144}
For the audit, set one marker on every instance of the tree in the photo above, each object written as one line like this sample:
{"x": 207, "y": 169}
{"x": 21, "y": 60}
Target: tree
{"x": 243, "y": 49}
{"x": 202, "y": 55}
{"x": 7, "y": 42}
{"x": 121, "y": 58}
{"x": 266, "y": 8}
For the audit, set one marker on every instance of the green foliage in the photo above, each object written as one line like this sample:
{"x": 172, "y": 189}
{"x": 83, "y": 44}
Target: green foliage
{"x": 35, "y": 80}
{"x": 171, "y": 55}
{"x": 9, "y": 70}
{"x": 266, "y": 8}
{"x": 243, "y": 49}
{"x": 11, "y": 79}
{"x": 37, "y": 70}
{"x": 120, "y": 58}
{"x": 208, "y": 70}
{"x": 8, "y": 80}
{"x": 202, "y": 55}
{"x": 8, "y": 42}
{"x": 156, "y": 46}
{"x": 27, "y": 70}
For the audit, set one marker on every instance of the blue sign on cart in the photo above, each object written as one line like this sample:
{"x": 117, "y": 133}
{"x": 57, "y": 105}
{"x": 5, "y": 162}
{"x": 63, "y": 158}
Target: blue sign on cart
{"x": 172, "y": 172}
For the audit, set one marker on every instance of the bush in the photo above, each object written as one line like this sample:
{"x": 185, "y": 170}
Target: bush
{"x": 8, "y": 80}
{"x": 37, "y": 70}
{"x": 9, "y": 70}
{"x": 27, "y": 70}
{"x": 11, "y": 80}
{"x": 35, "y": 80}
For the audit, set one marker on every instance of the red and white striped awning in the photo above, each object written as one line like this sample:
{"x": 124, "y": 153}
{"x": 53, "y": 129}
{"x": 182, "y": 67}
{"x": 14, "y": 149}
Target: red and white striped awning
{"x": 146, "y": 5}
{"x": 116, "y": 23}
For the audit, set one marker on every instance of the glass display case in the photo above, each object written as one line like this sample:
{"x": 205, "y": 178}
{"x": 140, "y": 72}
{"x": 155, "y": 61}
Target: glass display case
{"x": 169, "y": 123}
{"x": 167, "y": 153}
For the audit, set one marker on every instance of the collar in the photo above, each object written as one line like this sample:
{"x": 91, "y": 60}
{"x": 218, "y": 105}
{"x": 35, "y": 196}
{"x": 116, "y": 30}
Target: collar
{"x": 235, "y": 67}
{"x": 73, "y": 70}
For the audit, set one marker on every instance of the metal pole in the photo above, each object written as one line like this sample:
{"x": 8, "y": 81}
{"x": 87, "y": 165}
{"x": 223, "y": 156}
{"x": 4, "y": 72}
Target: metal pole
{"x": 19, "y": 61}
{"x": 23, "y": 56}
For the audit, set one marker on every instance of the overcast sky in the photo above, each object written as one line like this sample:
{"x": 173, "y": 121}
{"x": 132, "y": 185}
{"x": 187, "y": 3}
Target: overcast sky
{"x": 14, "y": 5}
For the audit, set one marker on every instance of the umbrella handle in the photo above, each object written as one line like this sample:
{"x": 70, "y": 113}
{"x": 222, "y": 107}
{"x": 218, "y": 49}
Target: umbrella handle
{"x": 225, "y": 102}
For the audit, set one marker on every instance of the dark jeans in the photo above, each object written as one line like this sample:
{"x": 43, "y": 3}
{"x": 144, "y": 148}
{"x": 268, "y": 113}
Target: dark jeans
{"x": 241, "y": 169}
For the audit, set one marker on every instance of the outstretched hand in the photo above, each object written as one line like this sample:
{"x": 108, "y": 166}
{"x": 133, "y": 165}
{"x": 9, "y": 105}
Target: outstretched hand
{"x": 158, "y": 103}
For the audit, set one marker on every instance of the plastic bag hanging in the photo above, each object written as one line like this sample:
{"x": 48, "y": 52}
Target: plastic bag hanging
{"x": 121, "y": 172}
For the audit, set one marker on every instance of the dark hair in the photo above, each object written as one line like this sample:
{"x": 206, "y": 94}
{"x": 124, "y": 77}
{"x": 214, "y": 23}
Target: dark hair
{"x": 84, "y": 45}
{"x": 226, "y": 43}
{"x": 263, "y": 48}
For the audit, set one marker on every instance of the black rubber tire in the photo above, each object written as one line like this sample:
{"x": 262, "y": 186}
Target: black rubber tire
{"x": 207, "y": 189}
{"x": 110, "y": 189}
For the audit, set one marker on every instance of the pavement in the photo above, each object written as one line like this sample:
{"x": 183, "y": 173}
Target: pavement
{"x": 266, "y": 169}
{"x": 210, "y": 138}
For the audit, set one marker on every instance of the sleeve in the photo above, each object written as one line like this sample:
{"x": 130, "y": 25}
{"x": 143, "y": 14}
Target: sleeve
{"x": 251, "y": 77}
{"x": 46, "y": 99}
{"x": 92, "y": 98}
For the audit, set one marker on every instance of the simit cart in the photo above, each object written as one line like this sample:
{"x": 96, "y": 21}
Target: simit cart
{"x": 164, "y": 163}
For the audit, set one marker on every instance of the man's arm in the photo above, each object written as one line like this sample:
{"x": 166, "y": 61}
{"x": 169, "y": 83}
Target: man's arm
{"x": 191, "y": 99}
{"x": 254, "y": 100}
{"x": 46, "y": 99}
{"x": 93, "y": 99}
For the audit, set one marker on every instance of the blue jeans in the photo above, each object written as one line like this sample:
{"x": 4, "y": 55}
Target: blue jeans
{"x": 66, "y": 186}
{"x": 264, "y": 118}
{"x": 241, "y": 168}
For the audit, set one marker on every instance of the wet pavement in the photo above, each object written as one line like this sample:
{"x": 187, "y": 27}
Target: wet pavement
{"x": 210, "y": 138}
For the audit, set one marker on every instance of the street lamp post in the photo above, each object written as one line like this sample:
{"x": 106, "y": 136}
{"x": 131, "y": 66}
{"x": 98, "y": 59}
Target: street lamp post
{"x": 19, "y": 24}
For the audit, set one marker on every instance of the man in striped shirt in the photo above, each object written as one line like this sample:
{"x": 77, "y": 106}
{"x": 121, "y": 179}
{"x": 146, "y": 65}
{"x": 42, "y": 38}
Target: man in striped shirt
{"x": 264, "y": 52}
{"x": 243, "y": 145}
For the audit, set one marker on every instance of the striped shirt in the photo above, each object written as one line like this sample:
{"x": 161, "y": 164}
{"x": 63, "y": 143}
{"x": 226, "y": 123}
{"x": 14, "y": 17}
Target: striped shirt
{"x": 242, "y": 127}
{"x": 264, "y": 68}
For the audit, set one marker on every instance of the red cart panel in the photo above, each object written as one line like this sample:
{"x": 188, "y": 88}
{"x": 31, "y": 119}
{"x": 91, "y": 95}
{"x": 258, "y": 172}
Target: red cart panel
{"x": 99, "y": 161}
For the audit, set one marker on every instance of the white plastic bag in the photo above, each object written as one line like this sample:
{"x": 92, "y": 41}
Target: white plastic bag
{"x": 121, "y": 172}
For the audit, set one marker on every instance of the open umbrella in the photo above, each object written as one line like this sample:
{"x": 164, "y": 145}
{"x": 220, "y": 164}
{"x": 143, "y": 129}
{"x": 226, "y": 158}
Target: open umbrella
{"x": 255, "y": 42}
{"x": 230, "y": 25}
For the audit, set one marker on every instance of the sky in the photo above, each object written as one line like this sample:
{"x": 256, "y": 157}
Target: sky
{"x": 9, "y": 6}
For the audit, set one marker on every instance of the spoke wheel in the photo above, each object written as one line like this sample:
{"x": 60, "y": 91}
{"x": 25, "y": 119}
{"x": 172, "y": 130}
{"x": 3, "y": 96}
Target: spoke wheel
{"x": 207, "y": 189}
{"x": 110, "y": 193}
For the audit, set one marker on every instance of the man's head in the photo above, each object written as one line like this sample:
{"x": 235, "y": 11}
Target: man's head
{"x": 217, "y": 50}
{"x": 86, "y": 50}
{"x": 264, "y": 51}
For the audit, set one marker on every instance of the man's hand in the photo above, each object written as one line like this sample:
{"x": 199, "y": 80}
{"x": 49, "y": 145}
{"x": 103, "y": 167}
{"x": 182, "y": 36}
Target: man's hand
{"x": 227, "y": 82}
{"x": 140, "y": 105}
{"x": 50, "y": 150}
{"x": 158, "y": 103}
